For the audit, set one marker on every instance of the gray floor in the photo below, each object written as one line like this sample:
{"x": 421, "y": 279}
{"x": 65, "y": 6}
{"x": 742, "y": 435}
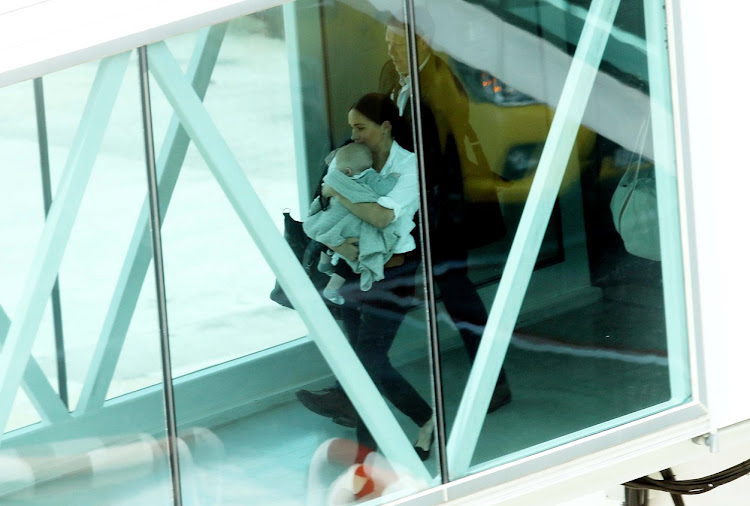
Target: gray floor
{"x": 559, "y": 385}
{"x": 567, "y": 373}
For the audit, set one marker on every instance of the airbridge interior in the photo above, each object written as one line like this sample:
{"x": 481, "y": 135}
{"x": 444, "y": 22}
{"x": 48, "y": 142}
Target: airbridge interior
{"x": 592, "y": 337}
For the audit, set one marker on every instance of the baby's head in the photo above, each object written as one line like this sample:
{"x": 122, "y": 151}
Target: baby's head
{"x": 353, "y": 159}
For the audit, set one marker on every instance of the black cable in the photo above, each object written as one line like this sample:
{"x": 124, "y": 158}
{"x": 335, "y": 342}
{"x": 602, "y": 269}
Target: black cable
{"x": 694, "y": 486}
{"x": 636, "y": 497}
{"x": 668, "y": 475}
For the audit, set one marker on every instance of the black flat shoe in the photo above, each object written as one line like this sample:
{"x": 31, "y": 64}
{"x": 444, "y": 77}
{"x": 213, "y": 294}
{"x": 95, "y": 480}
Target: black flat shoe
{"x": 425, "y": 454}
{"x": 344, "y": 421}
{"x": 330, "y": 403}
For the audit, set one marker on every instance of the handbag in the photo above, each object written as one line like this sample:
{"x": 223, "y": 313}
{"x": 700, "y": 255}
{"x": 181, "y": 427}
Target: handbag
{"x": 307, "y": 252}
{"x": 634, "y": 210}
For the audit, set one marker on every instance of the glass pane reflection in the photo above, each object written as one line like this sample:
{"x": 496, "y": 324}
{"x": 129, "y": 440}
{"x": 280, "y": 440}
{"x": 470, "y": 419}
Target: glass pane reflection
{"x": 272, "y": 404}
{"x": 282, "y": 100}
{"x": 85, "y": 450}
{"x": 590, "y": 350}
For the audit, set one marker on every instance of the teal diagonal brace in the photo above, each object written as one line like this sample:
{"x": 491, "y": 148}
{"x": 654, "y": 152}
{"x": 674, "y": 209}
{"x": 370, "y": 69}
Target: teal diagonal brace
{"x": 44, "y": 398}
{"x": 4, "y": 324}
{"x": 665, "y": 165}
{"x": 528, "y": 239}
{"x": 138, "y": 257}
{"x": 323, "y": 328}
{"x": 44, "y": 268}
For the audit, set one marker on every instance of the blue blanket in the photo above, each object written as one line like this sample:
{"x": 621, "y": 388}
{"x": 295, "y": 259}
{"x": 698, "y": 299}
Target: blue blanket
{"x": 336, "y": 224}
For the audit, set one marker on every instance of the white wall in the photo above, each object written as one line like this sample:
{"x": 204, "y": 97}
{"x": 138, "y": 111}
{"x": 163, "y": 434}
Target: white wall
{"x": 715, "y": 41}
{"x": 735, "y": 493}
{"x": 40, "y": 36}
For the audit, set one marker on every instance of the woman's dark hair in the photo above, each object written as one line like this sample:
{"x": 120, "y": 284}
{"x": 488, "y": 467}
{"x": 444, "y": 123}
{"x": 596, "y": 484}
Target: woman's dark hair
{"x": 379, "y": 108}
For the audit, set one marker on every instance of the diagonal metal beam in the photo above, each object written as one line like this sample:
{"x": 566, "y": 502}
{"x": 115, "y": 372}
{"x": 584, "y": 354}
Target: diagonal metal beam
{"x": 4, "y": 323}
{"x": 323, "y": 328}
{"x": 138, "y": 257}
{"x": 665, "y": 166}
{"x": 46, "y": 264}
{"x": 528, "y": 239}
{"x": 46, "y": 401}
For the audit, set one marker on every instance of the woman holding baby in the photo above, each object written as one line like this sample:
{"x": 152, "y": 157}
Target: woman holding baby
{"x": 371, "y": 318}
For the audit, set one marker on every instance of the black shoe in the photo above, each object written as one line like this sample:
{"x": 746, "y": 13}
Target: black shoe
{"x": 345, "y": 421}
{"x": 425, "y": 454}
{"x": 500, "y": 397}
{"x": 331, "y": 403}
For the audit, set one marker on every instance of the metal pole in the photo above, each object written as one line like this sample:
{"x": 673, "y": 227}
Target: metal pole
{"x": 431, "y": 308}
{"x": 41, "y": 128}
{"x": 166, "y": 361}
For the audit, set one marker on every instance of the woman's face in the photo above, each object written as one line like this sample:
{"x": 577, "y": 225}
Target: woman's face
{"x": 367, "y": 132}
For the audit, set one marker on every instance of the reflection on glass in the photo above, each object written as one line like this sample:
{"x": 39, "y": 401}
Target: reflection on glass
{"x": 22, "y": 222}
{"x": 593, "y": 346}
{"x": 217, "y": 278}
{"x": 84, "y": 143}
{"x": 327, "y": 395}
{"x": 277, "y": 102}
{"x": 372, "y": 317}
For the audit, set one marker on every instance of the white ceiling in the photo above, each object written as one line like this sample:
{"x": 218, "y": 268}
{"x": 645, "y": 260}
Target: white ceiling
{"x": 41, "y": 36}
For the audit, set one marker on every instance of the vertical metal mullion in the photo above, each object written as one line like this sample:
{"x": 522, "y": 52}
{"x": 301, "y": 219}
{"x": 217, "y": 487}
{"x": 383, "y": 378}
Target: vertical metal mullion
{"x": 153, "y": 194}
{"x": 431, "y": 307}
{"x": 668, "y": 198}
{"x": 41, "y": 127}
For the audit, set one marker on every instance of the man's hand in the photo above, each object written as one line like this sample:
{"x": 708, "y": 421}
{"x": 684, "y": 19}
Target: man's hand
{"x": 349, "y": 249}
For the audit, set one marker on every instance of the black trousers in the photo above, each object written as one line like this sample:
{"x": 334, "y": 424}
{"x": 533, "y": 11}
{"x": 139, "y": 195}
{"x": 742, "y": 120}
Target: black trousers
{"x": 371, "y": 320}
{"x": 461, "y": 299}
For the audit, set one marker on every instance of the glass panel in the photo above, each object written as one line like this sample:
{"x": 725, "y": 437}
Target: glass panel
{"x": 22, "y": 223}
{"x": 82, "y": 126}
{"x": 218, "y": 275}
{"x": 599, "y": 336}
{"x": 281, "y": 85}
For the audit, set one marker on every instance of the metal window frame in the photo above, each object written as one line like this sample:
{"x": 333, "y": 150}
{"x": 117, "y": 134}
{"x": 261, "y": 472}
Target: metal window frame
{"x": 656, "y": 430}
{"x": 677, "y": 423}
{"x": 16, "y": 352}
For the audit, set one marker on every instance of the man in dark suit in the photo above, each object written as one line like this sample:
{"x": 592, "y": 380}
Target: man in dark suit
{"x": 458, "y": 177}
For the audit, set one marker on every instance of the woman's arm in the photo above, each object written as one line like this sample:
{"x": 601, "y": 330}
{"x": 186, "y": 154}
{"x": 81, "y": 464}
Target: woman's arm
{"x": 371, "y": 212}
{"x": 348, "y": 249}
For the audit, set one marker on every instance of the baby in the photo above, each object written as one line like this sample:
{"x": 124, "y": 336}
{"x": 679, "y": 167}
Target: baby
{"x": 354, "y": 161}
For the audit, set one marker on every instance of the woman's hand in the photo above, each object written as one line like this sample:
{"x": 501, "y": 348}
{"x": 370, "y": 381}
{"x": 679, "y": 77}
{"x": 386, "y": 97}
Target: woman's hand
{"x": 371, "y": 212}
{"x": 327, "y": 191}
{"x": 349, "y": 249}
